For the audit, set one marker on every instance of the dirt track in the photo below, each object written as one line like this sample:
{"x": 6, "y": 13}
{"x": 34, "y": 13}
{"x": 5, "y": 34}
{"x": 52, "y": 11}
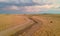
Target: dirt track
{"x": 16, "y": 28}
{"x": 34, "y": 26}
{"x": 40, "y": 28}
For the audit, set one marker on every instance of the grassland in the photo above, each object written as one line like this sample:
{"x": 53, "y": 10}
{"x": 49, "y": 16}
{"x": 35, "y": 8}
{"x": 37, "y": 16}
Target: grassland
{"x": 45, "y": 24}
{"x": 7, "y": 21}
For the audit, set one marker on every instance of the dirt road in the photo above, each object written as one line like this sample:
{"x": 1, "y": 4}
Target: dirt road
{"x": 40, "y": 28}
{"x": 37, "y": 24}
{"x": 34, "y": 26}
{"x": 16, "y": 28}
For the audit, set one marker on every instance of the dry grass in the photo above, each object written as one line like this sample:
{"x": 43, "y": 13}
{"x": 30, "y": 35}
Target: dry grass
{"x": 8, "y": 21}
{"x": 50, "y": 26}
{"x": 47, "y": 25}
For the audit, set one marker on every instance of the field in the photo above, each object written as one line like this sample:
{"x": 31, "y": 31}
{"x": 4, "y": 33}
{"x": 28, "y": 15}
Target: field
{"x": 29, "y": 25}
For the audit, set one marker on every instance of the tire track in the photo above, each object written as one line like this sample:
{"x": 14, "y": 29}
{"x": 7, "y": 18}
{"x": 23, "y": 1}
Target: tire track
{"x": 37, "y": 24}
{"x": 13, "y": 30}
{"x": 31, "y": 28}
{"x": 38, "y": 27}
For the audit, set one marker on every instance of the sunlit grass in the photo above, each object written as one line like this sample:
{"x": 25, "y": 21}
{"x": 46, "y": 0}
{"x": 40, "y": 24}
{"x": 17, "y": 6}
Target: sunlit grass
{"x": 9, "y": 20}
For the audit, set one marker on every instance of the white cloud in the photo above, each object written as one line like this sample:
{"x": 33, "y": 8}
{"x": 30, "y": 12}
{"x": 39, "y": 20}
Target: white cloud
{"x": 36, "y": 1}
{"x": 2, "y": 0}
{"x": 30, "y": 9}
{"x": 13, "y": 7}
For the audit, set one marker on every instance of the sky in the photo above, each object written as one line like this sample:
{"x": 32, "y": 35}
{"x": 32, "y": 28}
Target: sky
{"x": 37, "y": 1}
{"x": 55, "y": 5}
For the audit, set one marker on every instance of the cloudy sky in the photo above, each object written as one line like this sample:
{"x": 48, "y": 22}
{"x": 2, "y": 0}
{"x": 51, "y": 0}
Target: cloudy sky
{"x": 37, "y": 1}
{"x": 47, "y": 6}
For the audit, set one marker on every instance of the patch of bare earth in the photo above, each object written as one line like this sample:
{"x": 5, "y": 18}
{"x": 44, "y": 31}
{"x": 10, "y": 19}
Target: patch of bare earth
{"x": 40, "y": 28}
